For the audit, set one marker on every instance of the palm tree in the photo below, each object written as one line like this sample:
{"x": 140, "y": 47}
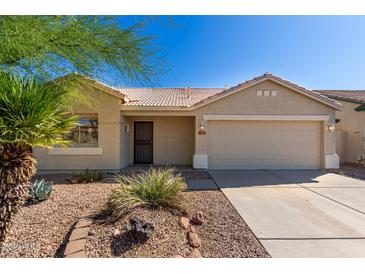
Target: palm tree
{"x": 31, "y": 114}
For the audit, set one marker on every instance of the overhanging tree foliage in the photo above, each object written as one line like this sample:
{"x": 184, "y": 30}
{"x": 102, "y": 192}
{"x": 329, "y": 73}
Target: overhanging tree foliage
{"x": 33, "y": 112}
{"x": 50, "y": 46}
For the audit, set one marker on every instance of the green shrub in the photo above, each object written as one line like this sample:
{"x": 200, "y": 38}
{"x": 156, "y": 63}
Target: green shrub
{"x": 40, "y": 190}
{"x": 87, "y": 176}
{"x": 154, "y": 188}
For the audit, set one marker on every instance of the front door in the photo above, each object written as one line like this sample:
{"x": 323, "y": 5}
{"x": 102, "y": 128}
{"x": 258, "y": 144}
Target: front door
{"x": 143, "y": 142}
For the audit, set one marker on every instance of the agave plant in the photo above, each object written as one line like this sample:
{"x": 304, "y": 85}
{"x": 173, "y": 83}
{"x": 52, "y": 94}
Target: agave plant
{"x": 31, "y": 114}
{"x": 40, "y": 190}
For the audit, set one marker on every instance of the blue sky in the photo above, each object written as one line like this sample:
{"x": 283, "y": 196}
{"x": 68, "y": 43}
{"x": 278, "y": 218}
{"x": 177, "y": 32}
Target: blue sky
{"x": 318, "y": 52}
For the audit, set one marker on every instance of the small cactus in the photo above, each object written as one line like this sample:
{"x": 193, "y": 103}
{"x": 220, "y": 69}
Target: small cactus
{"x": 40, "y": 190}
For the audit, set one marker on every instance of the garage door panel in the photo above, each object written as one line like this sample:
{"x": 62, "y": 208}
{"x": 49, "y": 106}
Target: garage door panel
{"x": 263, "y": 145}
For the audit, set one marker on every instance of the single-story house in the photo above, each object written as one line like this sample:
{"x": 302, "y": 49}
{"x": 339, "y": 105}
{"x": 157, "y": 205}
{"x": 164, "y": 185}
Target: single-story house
{"x": 350, "y": 124}
{"x": 263, "y": 123}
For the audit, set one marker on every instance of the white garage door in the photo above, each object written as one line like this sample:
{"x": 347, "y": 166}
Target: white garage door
{"x": 263, "y": 145}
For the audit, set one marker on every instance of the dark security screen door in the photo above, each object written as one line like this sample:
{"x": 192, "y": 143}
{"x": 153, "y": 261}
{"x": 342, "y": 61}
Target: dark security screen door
{"x": 143, "y": 142}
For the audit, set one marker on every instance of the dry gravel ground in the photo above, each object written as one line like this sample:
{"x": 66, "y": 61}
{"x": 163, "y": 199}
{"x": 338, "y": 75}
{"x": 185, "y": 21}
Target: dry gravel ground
{"x": 352, "y": 170}
{"x": 223, "y": 234}
{"x": 39, "y": 230}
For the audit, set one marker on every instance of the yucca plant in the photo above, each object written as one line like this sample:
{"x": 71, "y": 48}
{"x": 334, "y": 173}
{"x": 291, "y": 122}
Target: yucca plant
{"x": 154, "y": 188}
{"x": 31, "y": 114}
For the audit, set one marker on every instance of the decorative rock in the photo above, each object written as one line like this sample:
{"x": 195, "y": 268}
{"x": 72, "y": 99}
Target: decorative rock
{"x": 141, "y": 229}
{"x": 198, "y": 218}
{"x": 194, "y": 239}
{"x": 83, "y": 223}
{"x": 184, "y": 222}
{"x": 92, "y": 232}
{"x": 193, "y": 229}
{"x": 116, "y": 232}
{"x": 87, "y": 213}
{"x": 195, "y": 253}
{"x": 79, "y": 233}
{"x": 79, "y": 254}
{"x": 177, "y": 256}
{"x": 74, "y": 246}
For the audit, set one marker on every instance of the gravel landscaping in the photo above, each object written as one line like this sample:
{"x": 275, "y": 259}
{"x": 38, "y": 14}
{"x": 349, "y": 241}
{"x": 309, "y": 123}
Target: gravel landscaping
{"x": 42, "y": 230}
{"x": 223, "y": 234}
{"x": 39, "y": 230}
{"x": 352, "y": 170}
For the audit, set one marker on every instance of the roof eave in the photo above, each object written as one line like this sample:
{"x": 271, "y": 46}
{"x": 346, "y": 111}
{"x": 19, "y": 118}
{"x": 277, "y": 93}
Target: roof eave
{"x": 155, "y": 108}
{"x": 350, "y": 100}
{"x": 275, "y": 79}
{"x": 101, "y": 86}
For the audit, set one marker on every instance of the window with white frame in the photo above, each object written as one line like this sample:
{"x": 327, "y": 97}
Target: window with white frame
{"x": 85, "y": 134}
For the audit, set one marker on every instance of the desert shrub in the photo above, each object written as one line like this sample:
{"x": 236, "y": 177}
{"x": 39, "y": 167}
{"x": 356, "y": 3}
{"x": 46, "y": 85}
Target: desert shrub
{"x": 87, "y": 176}
{"x": 154, "y": 188}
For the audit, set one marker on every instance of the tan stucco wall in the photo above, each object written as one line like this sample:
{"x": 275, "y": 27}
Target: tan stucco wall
{"x": 175, "y": 132}
{"x": 108, "y": 109}
{"x": 353, "y": 125}
{"x": 286, "y": 102}
{"x": 125, "y": 139}
{"x": 173, "y": 139}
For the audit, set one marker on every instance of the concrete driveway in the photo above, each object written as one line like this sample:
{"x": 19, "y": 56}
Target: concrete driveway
{"x": 299, "y": 213}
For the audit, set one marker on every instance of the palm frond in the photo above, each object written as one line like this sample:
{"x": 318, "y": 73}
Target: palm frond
{"x": 32, "y": 112}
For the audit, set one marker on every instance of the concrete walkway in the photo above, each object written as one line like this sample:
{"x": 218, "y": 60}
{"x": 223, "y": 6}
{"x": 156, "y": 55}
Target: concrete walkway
{"x": 299, "y": 213}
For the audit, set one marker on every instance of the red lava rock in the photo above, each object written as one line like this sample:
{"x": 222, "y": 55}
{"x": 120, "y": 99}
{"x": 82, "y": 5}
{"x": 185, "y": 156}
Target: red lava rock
{"x": 194, "y": 239}
{"x": 198, "y": 218}
{"x": 184, "y": 222}
{"x": 195, "y": 253}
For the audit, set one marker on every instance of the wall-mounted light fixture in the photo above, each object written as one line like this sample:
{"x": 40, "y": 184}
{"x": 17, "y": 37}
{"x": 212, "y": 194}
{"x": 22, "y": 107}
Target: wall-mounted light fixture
{"x": 126, "y": 127}
{"x": 331, "y": 127}
{"x": 202, "y": 130}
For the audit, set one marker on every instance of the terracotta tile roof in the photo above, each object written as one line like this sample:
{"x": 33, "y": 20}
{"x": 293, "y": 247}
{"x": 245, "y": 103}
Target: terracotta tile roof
{"x": 195, "y": 97}
{"x": 168, "y": 97}
{"x": 355, "y": 96}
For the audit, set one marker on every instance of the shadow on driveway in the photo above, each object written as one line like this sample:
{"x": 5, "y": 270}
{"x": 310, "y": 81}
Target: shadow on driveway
{"x": 264, "y": 178}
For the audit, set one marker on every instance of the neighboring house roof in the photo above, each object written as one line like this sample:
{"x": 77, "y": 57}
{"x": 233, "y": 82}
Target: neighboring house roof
{"x": 354, "y": 96}
{"x": 197, "y": 97}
